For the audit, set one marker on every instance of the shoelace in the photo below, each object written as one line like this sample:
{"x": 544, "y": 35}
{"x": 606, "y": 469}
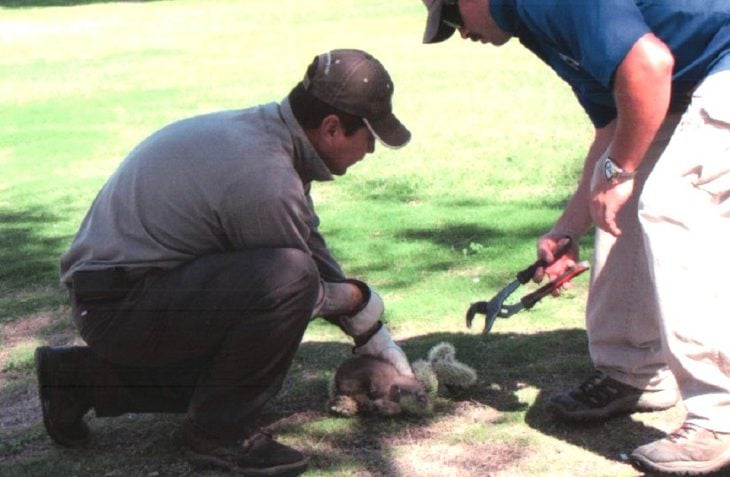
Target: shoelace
{"x": 685, "y": 432}
{"x": 592, "y": 382}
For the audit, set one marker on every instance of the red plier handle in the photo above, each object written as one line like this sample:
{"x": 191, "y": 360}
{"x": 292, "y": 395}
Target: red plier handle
{"x": 529, "y": 300}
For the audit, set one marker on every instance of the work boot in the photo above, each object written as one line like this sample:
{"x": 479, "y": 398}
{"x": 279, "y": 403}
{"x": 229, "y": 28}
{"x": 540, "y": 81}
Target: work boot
{"x": 258, "y": 454}
{"x": 690, "y": 450}
{"x": 64, "y": 390}
{"x": 601, "y": 397}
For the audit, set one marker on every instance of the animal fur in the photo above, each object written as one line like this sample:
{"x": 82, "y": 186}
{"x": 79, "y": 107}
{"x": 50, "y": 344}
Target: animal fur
{"x": 450, "y": 372}
{"x": 369, "y": 385}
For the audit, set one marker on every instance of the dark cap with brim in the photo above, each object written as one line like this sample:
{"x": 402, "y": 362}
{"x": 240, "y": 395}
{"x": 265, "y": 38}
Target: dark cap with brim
{"x": 356, "y": 83}
{"x": 436, "y": 30}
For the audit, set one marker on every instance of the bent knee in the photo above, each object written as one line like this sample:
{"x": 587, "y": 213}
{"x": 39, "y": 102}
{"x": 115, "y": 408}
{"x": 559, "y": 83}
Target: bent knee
{"x": 296, "y": 271}
{"x": 295, "y": 264}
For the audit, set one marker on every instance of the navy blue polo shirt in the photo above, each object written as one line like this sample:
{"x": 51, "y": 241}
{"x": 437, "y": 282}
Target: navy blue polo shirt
{"x": 584, "y": 41}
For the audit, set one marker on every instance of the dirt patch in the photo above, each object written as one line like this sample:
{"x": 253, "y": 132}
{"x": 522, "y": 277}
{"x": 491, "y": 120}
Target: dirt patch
{"x": 441, "y": 460}
{"x": 53, "y": 326}
{"x": 19, "y": 402}
{"x": 20, "y": 330}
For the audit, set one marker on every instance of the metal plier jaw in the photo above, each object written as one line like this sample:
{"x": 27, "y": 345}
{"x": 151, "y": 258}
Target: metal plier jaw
{"x": 496, "y": 307}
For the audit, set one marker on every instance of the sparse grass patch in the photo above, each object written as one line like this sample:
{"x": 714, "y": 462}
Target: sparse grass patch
{"x": 20, "y": 357}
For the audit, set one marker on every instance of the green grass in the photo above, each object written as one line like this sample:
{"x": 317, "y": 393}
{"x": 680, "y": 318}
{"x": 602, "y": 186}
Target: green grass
{"x": 497, "y": 147}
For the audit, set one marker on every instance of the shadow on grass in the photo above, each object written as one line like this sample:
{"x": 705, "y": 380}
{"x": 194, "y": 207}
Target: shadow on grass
{"x": 477, "y": 238}
{"x": 63, "y": 3}
{"x": 29, "y": 257}
{"x": 459, "y": 244}
{"x": 508, "y": 365}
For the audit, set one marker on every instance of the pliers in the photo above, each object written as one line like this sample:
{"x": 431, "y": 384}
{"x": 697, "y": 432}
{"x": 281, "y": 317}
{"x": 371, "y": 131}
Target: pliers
{"x": 496, "y": 308}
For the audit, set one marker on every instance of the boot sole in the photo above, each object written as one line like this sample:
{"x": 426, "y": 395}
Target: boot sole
{"x": 43, "y": 392}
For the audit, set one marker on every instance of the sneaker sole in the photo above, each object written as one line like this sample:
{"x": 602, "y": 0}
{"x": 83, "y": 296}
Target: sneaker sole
{"x": 682, "y": 468}
{"x": 616, "y": 408}
{"x": 207, "y": 460}
{"x": 43, "y": 393}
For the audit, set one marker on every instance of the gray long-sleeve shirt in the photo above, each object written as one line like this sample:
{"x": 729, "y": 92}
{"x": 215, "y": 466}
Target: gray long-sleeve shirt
{"x": 224, "y": 181}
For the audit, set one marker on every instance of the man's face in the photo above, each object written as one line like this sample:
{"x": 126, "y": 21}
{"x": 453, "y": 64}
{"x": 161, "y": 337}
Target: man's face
{"x": 478, "y": 24}
{"x": 339, "y": 151}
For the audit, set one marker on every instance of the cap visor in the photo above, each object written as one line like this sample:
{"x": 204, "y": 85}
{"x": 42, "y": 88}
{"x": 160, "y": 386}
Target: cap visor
{"x": 389, "y": 131}
{"x": 436, "y": 31}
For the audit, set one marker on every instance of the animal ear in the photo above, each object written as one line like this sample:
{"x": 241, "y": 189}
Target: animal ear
{"x": 443, "y": 351}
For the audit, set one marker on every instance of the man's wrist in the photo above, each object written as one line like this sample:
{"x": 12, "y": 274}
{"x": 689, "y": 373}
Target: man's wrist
{"x": 365, "y": 337}
{"x": 613, "y": 173}
{"x": 347, "y": 298}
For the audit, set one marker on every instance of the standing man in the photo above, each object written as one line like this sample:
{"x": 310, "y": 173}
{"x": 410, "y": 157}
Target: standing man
{"x": 199, "y": 265}
{"x": 654, "y": 78}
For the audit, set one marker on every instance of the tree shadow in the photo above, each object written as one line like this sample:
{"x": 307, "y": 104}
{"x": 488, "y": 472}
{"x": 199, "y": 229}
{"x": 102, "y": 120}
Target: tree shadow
{"x": 29, "y": 256}
{"x": 460, "y": 242}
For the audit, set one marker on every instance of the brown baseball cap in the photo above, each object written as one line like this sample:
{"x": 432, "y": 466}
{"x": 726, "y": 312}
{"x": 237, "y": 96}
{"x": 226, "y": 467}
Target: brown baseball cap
{"x": 354, "y": 82}
{"x": 438, "y": 30}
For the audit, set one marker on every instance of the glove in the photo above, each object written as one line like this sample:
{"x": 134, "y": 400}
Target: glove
{"x": 336, "y": 305}
{"x": 364, "y": 325}
{"x": 367, "y": 316}
{"x": 381, "y": 345}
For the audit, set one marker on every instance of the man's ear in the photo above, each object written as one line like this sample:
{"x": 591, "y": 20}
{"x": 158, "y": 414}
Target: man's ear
{"x": 331, "y": 126}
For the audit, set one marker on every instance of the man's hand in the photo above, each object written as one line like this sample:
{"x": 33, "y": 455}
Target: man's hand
{"x": 362, "y": 322}
{"x": 607, "y": 199}
{"x": 546, "y": 247}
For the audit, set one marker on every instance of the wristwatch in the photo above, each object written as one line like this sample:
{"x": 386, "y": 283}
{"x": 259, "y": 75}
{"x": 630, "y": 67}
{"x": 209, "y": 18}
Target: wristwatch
{"x": 614, "y": 174}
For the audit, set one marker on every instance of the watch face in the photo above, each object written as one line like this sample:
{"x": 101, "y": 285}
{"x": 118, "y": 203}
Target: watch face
{"x": 608, "y": 170}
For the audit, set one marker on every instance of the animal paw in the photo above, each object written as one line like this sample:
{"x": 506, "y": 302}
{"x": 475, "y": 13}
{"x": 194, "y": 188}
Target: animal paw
{"x": 342, "y": 406}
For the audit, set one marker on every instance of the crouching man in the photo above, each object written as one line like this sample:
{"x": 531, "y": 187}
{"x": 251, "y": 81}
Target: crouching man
{"x": 199, "y": 265}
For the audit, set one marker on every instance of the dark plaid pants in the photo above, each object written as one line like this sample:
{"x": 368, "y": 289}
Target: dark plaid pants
{"x": 213, "y": 338}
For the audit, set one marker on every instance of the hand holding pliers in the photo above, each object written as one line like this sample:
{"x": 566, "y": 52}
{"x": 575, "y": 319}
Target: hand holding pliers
{"x": 496, "y": 308}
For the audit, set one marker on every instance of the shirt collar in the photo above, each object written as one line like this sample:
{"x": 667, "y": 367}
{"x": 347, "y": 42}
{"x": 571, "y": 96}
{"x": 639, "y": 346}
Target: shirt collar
{"x": 307, "y": 161}
{"x": 504, "y": 13}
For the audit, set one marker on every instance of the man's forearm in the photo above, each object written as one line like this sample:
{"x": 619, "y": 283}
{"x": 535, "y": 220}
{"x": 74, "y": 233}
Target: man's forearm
{"x": 642, "y": 90}
{"x": 576, "y": 217}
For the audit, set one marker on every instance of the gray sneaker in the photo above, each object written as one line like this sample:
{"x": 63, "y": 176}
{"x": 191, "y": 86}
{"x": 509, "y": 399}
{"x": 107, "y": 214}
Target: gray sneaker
{"x": 600, "y": 397}
{"x": 690, "y": 450}
{"x": 259, "y": 454}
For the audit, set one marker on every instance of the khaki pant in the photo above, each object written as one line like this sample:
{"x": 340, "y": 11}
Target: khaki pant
{"x": 659, "y": 306}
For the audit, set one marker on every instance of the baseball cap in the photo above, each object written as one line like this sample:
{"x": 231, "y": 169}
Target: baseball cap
{"x": 356, "y": 83}
{"x": 439, "y": 10}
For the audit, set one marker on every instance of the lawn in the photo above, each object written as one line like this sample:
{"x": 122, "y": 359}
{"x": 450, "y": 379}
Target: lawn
{"x": 497, "y": 148}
